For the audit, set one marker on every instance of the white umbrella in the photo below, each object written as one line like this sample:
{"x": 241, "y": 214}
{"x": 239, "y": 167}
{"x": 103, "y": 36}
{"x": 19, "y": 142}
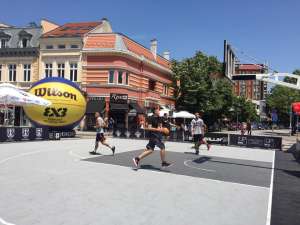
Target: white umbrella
{"x": 11, "y": 95}
{"x": 183, "y": 114}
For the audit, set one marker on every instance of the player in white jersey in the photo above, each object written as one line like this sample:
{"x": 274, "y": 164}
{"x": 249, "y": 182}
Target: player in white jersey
{"x": 100, "y": 124}
{"x": 198, "y": 129}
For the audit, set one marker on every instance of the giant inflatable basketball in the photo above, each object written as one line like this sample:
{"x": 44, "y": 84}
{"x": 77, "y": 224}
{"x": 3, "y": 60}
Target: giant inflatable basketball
{"x": 68, "y": 104}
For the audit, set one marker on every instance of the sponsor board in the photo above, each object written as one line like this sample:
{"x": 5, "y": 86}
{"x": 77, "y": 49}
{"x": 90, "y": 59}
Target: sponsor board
{"x": 23, "y": 134}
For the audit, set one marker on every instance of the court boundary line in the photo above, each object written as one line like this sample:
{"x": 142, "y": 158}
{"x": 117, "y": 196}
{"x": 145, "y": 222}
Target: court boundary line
{"x": 268, "y": 222}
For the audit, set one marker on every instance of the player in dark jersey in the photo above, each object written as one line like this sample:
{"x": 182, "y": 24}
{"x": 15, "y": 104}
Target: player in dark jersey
{"x": 155, "y": 139}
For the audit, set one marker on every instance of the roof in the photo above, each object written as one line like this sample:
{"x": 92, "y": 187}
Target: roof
{"x": 72, "y": 29}
{"x": 14, "y": 35}
{"x": 250, "y": 67}
{"x": 106, "y": 41}
{"x": 119, "y": 42}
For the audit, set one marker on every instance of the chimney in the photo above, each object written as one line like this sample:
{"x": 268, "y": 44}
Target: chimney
{"x": 166, "y": 55}
{"x": 153, "y": 47}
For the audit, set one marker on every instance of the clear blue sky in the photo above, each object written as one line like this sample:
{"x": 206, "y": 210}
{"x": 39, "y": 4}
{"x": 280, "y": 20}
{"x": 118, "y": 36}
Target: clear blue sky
{"x": 266, "y": 29}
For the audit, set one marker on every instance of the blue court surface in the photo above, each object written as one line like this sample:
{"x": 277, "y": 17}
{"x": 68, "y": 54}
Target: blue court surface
{"x": 59, "y": 182}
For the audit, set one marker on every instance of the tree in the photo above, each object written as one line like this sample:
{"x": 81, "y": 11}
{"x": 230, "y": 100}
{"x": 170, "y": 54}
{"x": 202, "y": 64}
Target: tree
{"x": 198, "y": 91}
{"x": 281, "y": 99}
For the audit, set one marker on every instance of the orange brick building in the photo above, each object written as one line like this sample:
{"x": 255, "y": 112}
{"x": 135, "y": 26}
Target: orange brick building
{"x": 250, "y": 89}
{"x": 124, "y": 78}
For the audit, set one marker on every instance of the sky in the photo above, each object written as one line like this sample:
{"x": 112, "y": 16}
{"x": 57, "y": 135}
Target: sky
{"x": 265, "y": 30}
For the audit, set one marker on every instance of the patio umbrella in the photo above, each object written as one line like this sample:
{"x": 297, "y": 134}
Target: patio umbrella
{"x": 11, "y": 95}
{"x": 183, "y": 114}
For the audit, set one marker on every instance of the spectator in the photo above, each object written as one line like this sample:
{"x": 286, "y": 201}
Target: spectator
{"x": 111, "y": 123}
{"x": 249, "y": 128}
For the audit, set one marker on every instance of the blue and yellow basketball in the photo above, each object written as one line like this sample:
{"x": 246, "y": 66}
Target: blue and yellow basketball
{"x": 68, "y": 103}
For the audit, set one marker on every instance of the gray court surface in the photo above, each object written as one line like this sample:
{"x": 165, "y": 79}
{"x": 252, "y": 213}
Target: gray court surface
{"x": 58, "y": 182}
{"x": 189, "y": 164}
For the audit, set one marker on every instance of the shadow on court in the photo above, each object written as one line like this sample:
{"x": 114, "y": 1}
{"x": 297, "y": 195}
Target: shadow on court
{"x": 216, "y": 168}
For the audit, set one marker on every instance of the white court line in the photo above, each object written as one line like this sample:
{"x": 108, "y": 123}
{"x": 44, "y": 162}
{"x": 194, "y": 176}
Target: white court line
{"x": 81, "y": 157}
{"x": 271, "y": 193}
{"x": 76, "y": 155}
{"x": 194, "y": 167}
{"x": 4, "y": 222}
{"x": 21, "y": 155}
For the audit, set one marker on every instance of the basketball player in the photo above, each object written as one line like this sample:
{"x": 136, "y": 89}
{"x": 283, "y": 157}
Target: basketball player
{"x": 100, "y": 124}
{"x": 198, "y": 128}
{"x": 155, "y": 139}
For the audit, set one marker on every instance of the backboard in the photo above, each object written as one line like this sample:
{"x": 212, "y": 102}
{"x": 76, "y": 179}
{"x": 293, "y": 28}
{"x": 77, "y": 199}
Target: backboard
{"x": 229, "y": 61}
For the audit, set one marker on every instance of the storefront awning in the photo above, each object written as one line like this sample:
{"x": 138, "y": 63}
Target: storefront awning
{"x": 137, "y": 107}
{"x": 95, "y": 106}
{"x": 115, "y": 106}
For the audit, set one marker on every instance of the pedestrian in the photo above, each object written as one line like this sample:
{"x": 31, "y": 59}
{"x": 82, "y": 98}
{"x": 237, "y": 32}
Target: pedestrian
{"x": 198, "y": 128}
{"x": 155, "y": 126}
{"x": 111, "y": 124}
{"x": 100, "y": 124}
{"x": 249, "y": 128}
{"x": 243, "y": 128}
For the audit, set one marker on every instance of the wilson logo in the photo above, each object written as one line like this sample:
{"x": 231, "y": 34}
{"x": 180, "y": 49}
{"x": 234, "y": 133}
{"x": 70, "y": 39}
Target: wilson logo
{"x": 54, "y": 92}
{"x": 53, "y": 112}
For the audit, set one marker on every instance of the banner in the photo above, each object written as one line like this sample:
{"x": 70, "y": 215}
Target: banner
{"x": 23, "y": 133}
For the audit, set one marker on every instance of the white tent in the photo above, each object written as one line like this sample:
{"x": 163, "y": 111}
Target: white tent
{"x": 11, "y": 95}
{"x": 183, "y": 114}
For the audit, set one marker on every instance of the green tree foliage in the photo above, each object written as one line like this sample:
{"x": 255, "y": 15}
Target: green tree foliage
{"x": 281, "y": 99}
{"x": 245, "y": 110}
{"x": 198, "y": 91}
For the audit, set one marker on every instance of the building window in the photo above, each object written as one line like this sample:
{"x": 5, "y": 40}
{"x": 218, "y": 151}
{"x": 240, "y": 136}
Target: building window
{"x": 49, "y": 46}
{"x": 27, "y": 72}
{"x": 12, "y": 71}
{"x": 127, "y": 78}
{"x": 152, "y": 84}
{"x": 111, "y": 76}
{"x": 48, "y": 69}
{"x": 120, "y": 77}
{"x": 61, "y": 46}
{"x": 165, "y": 91}
{"x": 3, "y": 43}
{"x": 24, "y": 43}
{"x": 74, "y": 46}
{"x": 73, "y": 71}
{"x": 0, "y": 72}
{"x": 61, "y": 70}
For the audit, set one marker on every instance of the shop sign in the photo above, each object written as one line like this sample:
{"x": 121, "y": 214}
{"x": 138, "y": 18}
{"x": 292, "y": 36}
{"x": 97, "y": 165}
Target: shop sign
{"x": 118, "y": 98}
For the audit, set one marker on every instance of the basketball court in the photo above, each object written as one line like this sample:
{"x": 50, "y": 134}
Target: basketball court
{"x": 58, "y": 182}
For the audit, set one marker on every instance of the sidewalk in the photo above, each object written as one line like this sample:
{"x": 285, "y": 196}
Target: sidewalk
{"x": 89, "y": 134}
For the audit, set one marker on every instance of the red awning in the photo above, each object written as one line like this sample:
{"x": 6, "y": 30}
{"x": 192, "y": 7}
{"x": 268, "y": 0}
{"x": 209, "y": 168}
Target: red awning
{"x": 296, "y": 107}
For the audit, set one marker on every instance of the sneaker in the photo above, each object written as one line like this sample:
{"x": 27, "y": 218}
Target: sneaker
{"x": 197, "y": 152}
{"x": 93, "y": 152}
{"x": 113, "y": 150}
{"x": 166, "y": 164}
{"x": 136, "y": 161}
{"x": 208, "y": 147}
